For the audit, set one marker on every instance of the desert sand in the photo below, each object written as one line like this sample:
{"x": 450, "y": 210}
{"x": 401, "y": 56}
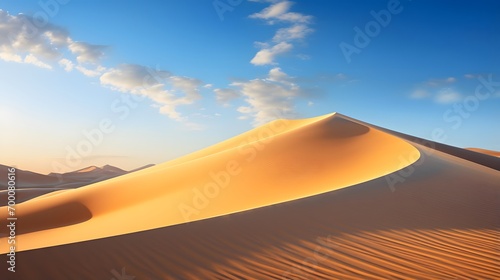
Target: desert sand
{"x": 322, "y": 198}
{"x": 484, "y": 151}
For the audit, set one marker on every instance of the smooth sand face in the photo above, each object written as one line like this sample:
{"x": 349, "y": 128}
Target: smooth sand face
{"x": 323, "y": 208}
{"x": 282, "y": 161}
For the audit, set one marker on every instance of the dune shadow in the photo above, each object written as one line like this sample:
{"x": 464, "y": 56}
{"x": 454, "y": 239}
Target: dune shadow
{"x": 53, "y": 217}
{"x": 342, "y": 128}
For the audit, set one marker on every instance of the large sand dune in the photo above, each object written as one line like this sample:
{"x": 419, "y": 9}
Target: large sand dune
{"x": 322, "y": 198}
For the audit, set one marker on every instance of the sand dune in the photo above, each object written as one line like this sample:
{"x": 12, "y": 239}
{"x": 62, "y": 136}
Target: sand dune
{"x": 30, "y": 184}
{"x": 323, "y": 198}
{"x": 90, "y": 174}
{"x": 291, "y": 160}
{"x": 28, "y": 179}
{"x": 486, "y": 152}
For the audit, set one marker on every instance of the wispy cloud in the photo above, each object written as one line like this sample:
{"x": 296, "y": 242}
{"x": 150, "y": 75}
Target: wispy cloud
{"x": 31, "y": 59}
{"x": 50, "y": 45}
{"x": 295, "y": 32}
{"x": 267, "y": 99}
{"x": 437, "y": 90}
{"x": 67, "y": 64}
{"x": 95, "y": 72}
{"x": 420, "y": 94}
{"x": 224, "y": 95}
{"x": 166, "y": 90}
{"x": 271, "y": 97}
{"x": 42, "y": 46}
{"x": 447, "y": 96}
{"x": 440, "y": 82}
{"x": 87, "y": 53}
{"x": 268, "y": 55}
{"x": 279, "y": 12}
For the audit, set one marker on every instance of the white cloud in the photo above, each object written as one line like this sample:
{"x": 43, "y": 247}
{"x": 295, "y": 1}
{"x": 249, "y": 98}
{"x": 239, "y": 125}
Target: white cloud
{"x": 441, "y": 96}
{"x": 31, "y": 59}
{"x": 447, "y": 95}
{"x": 10, "y": 57}
{"x": 87, "y": 53}
{"x": 224, "y": 95}
{"x": 267, "y": 99}
{"x": 190, "y": 87}
{"x": 295, "y": 32}
{"x": 267, "y": 56}
{"x": 90, "y": 72}
{"x": 167, "y": 91}
{"x": 67, "y": 64}
{"x": 279, "y": 12}
{"x": 133, "y": 78}
{"x": 276, "y": 75}
{"x": 420, "y": 94}
{"x": 22, "y": 42}
{"x": 440, "y": 82}
{"x": 43, "y": 46}
{"x": 18, "y": 36}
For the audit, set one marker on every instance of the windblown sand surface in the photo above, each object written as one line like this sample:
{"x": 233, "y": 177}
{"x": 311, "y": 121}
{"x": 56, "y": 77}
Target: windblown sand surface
{"x": 323, "y": 198}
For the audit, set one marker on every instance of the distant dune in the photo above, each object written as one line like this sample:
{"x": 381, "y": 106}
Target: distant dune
{"x": 27, "y": 179}
{"x": 322, "y": 198}
{"x": 30, "y": 184}
{"x": 486, "y": 152}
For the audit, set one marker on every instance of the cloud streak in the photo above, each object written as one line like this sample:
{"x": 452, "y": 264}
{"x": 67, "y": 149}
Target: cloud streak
{"x": 22, "y": 42}
{"x": 267, "y": 99}
{"x": 279, "y": 12}
{"x": 164, "y": 89}
{"x": 437, "y": 90}
{"x": 49, "y": 45}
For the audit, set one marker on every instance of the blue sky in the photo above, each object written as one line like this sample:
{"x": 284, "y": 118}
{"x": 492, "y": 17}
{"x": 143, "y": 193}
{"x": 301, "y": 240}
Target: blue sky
{"x": 135, "y": 82}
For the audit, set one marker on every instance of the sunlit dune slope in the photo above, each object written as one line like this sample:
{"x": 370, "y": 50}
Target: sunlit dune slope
{"x": 279, "y": 162}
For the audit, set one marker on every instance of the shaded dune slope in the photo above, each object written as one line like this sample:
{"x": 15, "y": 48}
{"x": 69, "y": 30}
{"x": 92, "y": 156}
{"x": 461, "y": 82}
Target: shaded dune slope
{"x": 485, "y": 158}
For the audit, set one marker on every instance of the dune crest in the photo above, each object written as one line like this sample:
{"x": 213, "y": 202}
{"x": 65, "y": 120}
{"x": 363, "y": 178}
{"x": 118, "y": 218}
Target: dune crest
{"x": 282, "y": 161}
